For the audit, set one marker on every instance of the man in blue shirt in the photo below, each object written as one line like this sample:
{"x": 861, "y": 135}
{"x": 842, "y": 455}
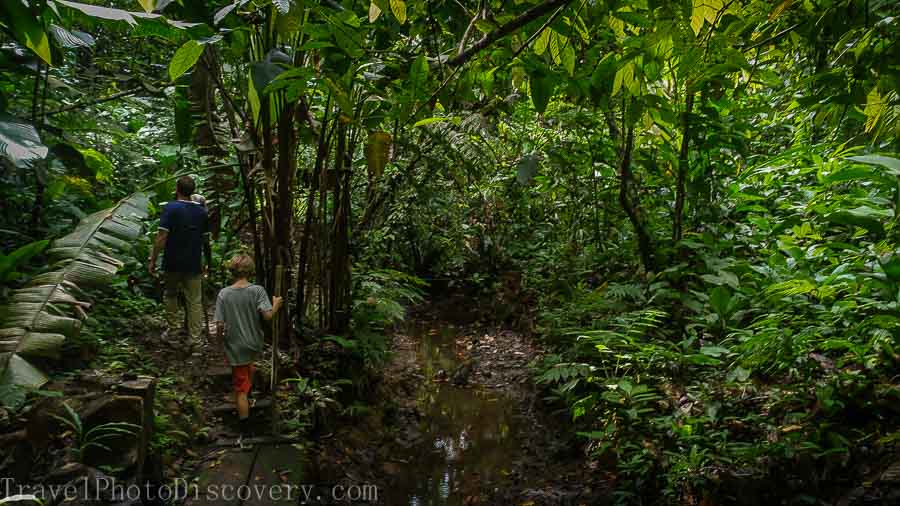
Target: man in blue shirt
{"x": 183, "y": 235}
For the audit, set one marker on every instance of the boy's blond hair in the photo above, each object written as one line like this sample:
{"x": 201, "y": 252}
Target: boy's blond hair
{"x": 241, "y": 266}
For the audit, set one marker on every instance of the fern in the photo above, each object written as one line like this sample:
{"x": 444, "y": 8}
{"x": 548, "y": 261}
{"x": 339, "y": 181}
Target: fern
{"x": 626, "y": 291}
{"x": 791, "y": 288}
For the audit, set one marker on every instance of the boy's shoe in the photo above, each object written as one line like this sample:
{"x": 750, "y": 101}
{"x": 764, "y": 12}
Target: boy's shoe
{"x": 246, "y": 428}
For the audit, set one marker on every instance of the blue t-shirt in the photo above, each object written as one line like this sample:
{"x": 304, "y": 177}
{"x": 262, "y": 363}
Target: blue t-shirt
{"x": 187, "y": 226}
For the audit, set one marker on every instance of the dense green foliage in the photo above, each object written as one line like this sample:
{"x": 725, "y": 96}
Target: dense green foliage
{"x": 693, "y": 203}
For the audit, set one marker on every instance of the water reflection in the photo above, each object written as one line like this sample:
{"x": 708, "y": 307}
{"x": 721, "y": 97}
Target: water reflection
{"x": 466, "y": 435}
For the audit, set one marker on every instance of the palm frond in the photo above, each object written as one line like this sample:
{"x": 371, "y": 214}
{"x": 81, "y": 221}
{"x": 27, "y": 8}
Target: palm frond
{"x": 39, "y": 317}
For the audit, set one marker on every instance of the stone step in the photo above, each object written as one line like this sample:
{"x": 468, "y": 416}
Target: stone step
{"x": 229, "y": 407}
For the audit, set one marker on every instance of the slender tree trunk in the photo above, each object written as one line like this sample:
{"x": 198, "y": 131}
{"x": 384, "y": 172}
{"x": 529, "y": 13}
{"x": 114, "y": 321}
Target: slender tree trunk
{"x": 338, "y": 310}
{"x": 268, "y": 165}
{"x": 306, "y": 239}
{"x": 681, "y": 178}
{"x": 645, "y": 244}
{"x": 201, "y": 95}
{"x": 283, "y": 236}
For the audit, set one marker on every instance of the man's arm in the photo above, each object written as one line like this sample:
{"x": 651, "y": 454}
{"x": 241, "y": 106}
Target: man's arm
{"x": 207, "y": 249}
{"x": 207, "y": 252}
{"x": 159, "y": 244}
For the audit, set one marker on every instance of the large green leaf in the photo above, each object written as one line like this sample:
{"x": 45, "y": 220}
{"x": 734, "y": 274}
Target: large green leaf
{"x": 540, "y": 45}
{"x": 720, "y": 300}
{"x": 866, "y": 217}
{"x": 340, "y": 95}
{"x": 892, "y": 164}
{"x": 26, "y": 28}
{"x": 100, "y": 166}
{"x": 39, "y": 317}
{"x": 418, "y": 75}
{"x": 541, "y": 91}
{"x": 377, "y": 152}
{"x": 398, "y": 7}
{"x": 568, "y": 59}
{"x": 185, "y": 58}
{"x": 19, "y": 142}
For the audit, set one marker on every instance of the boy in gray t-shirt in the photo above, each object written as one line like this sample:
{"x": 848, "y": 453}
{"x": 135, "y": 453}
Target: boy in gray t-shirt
{"x": 238, "y": 308}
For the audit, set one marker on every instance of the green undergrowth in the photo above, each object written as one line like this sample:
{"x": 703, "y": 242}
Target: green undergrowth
{"x": 761, "y": 359}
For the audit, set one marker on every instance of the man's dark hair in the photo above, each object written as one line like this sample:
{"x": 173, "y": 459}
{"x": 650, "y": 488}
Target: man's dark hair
{"x": 185, "y": 186}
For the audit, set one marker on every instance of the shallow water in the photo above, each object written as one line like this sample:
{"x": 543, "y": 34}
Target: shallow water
{"x": 467, "y": 434}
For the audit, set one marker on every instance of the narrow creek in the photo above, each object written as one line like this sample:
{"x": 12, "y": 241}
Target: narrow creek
{"x": 456, "y": 421}
{"x": 467, "y": 434}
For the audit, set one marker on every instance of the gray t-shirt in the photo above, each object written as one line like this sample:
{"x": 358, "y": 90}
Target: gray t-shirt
{"x": 239, "y": 308}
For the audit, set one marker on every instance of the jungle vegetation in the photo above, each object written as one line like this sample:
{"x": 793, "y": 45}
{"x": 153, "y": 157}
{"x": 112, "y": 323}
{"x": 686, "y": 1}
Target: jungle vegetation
{"x": 692, "y": 203}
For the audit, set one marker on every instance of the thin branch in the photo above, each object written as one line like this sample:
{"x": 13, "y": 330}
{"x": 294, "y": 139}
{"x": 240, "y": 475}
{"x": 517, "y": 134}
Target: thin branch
{"x": 529, "y": 16}
{"x": 433, "y": 95}
{"x": 223, "y": 90}
{"x": 79, "y": 105}
{"x": 774, "y": 37}
{"x": 538, "y": 33}
{"x": 467, "y": 34}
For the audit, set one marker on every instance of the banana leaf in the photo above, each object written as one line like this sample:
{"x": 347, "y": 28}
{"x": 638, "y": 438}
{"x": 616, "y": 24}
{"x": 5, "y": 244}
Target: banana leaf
{"x": 39, "y": 317}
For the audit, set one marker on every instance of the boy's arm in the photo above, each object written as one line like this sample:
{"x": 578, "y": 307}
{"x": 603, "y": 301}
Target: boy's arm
{"x": 219, "y": 319}
{"x": 268, "y": 313}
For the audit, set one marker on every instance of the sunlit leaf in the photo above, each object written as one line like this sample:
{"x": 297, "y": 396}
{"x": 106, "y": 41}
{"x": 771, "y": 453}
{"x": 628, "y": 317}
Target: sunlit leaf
{"x": 398, "y": 7}
{"x": 540, "y": 45}
{"x": 185, "y": 58}
{"x": 148, "y": 5}
{"x": 430, "y": 121}
{"x": 374, "y": 12}
{"x": 26, "y": 28}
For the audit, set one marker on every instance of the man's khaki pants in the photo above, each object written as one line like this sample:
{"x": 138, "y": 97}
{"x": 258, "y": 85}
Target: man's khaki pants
{"x": 188, "y": 284}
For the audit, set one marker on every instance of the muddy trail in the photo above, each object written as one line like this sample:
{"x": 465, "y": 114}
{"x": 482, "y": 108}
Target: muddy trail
{"x": 454, "y": 418}
{"x": 457, "y": 420}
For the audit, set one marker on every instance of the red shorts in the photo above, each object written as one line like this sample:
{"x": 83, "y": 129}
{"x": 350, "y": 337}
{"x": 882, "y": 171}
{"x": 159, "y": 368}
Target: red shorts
{"x": 242, "y": 378}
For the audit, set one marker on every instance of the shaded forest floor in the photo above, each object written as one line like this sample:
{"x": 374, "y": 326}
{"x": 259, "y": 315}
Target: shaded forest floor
{"x": 456, "y": 419}
{"x": 452, "y": 418}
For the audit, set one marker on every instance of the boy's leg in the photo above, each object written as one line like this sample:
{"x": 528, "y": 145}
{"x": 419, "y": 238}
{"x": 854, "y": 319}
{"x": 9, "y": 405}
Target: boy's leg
{"x": 242, "y": 377}
{"x": 193, "y": 297}
{"x": 170, "y": 298}
{"x": 243, "y": 405}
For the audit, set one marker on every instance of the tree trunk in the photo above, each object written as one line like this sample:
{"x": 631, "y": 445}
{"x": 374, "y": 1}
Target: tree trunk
{"x": 283, "y": 236}
{"x": 339, "y": 307}
{"x": 645, "y": 244}
{"x": 681, "y": 178}
{"x": 306, "y": 239}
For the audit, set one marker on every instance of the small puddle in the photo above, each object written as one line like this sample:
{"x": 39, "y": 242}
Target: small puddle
{"x": 466, "y": 437}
